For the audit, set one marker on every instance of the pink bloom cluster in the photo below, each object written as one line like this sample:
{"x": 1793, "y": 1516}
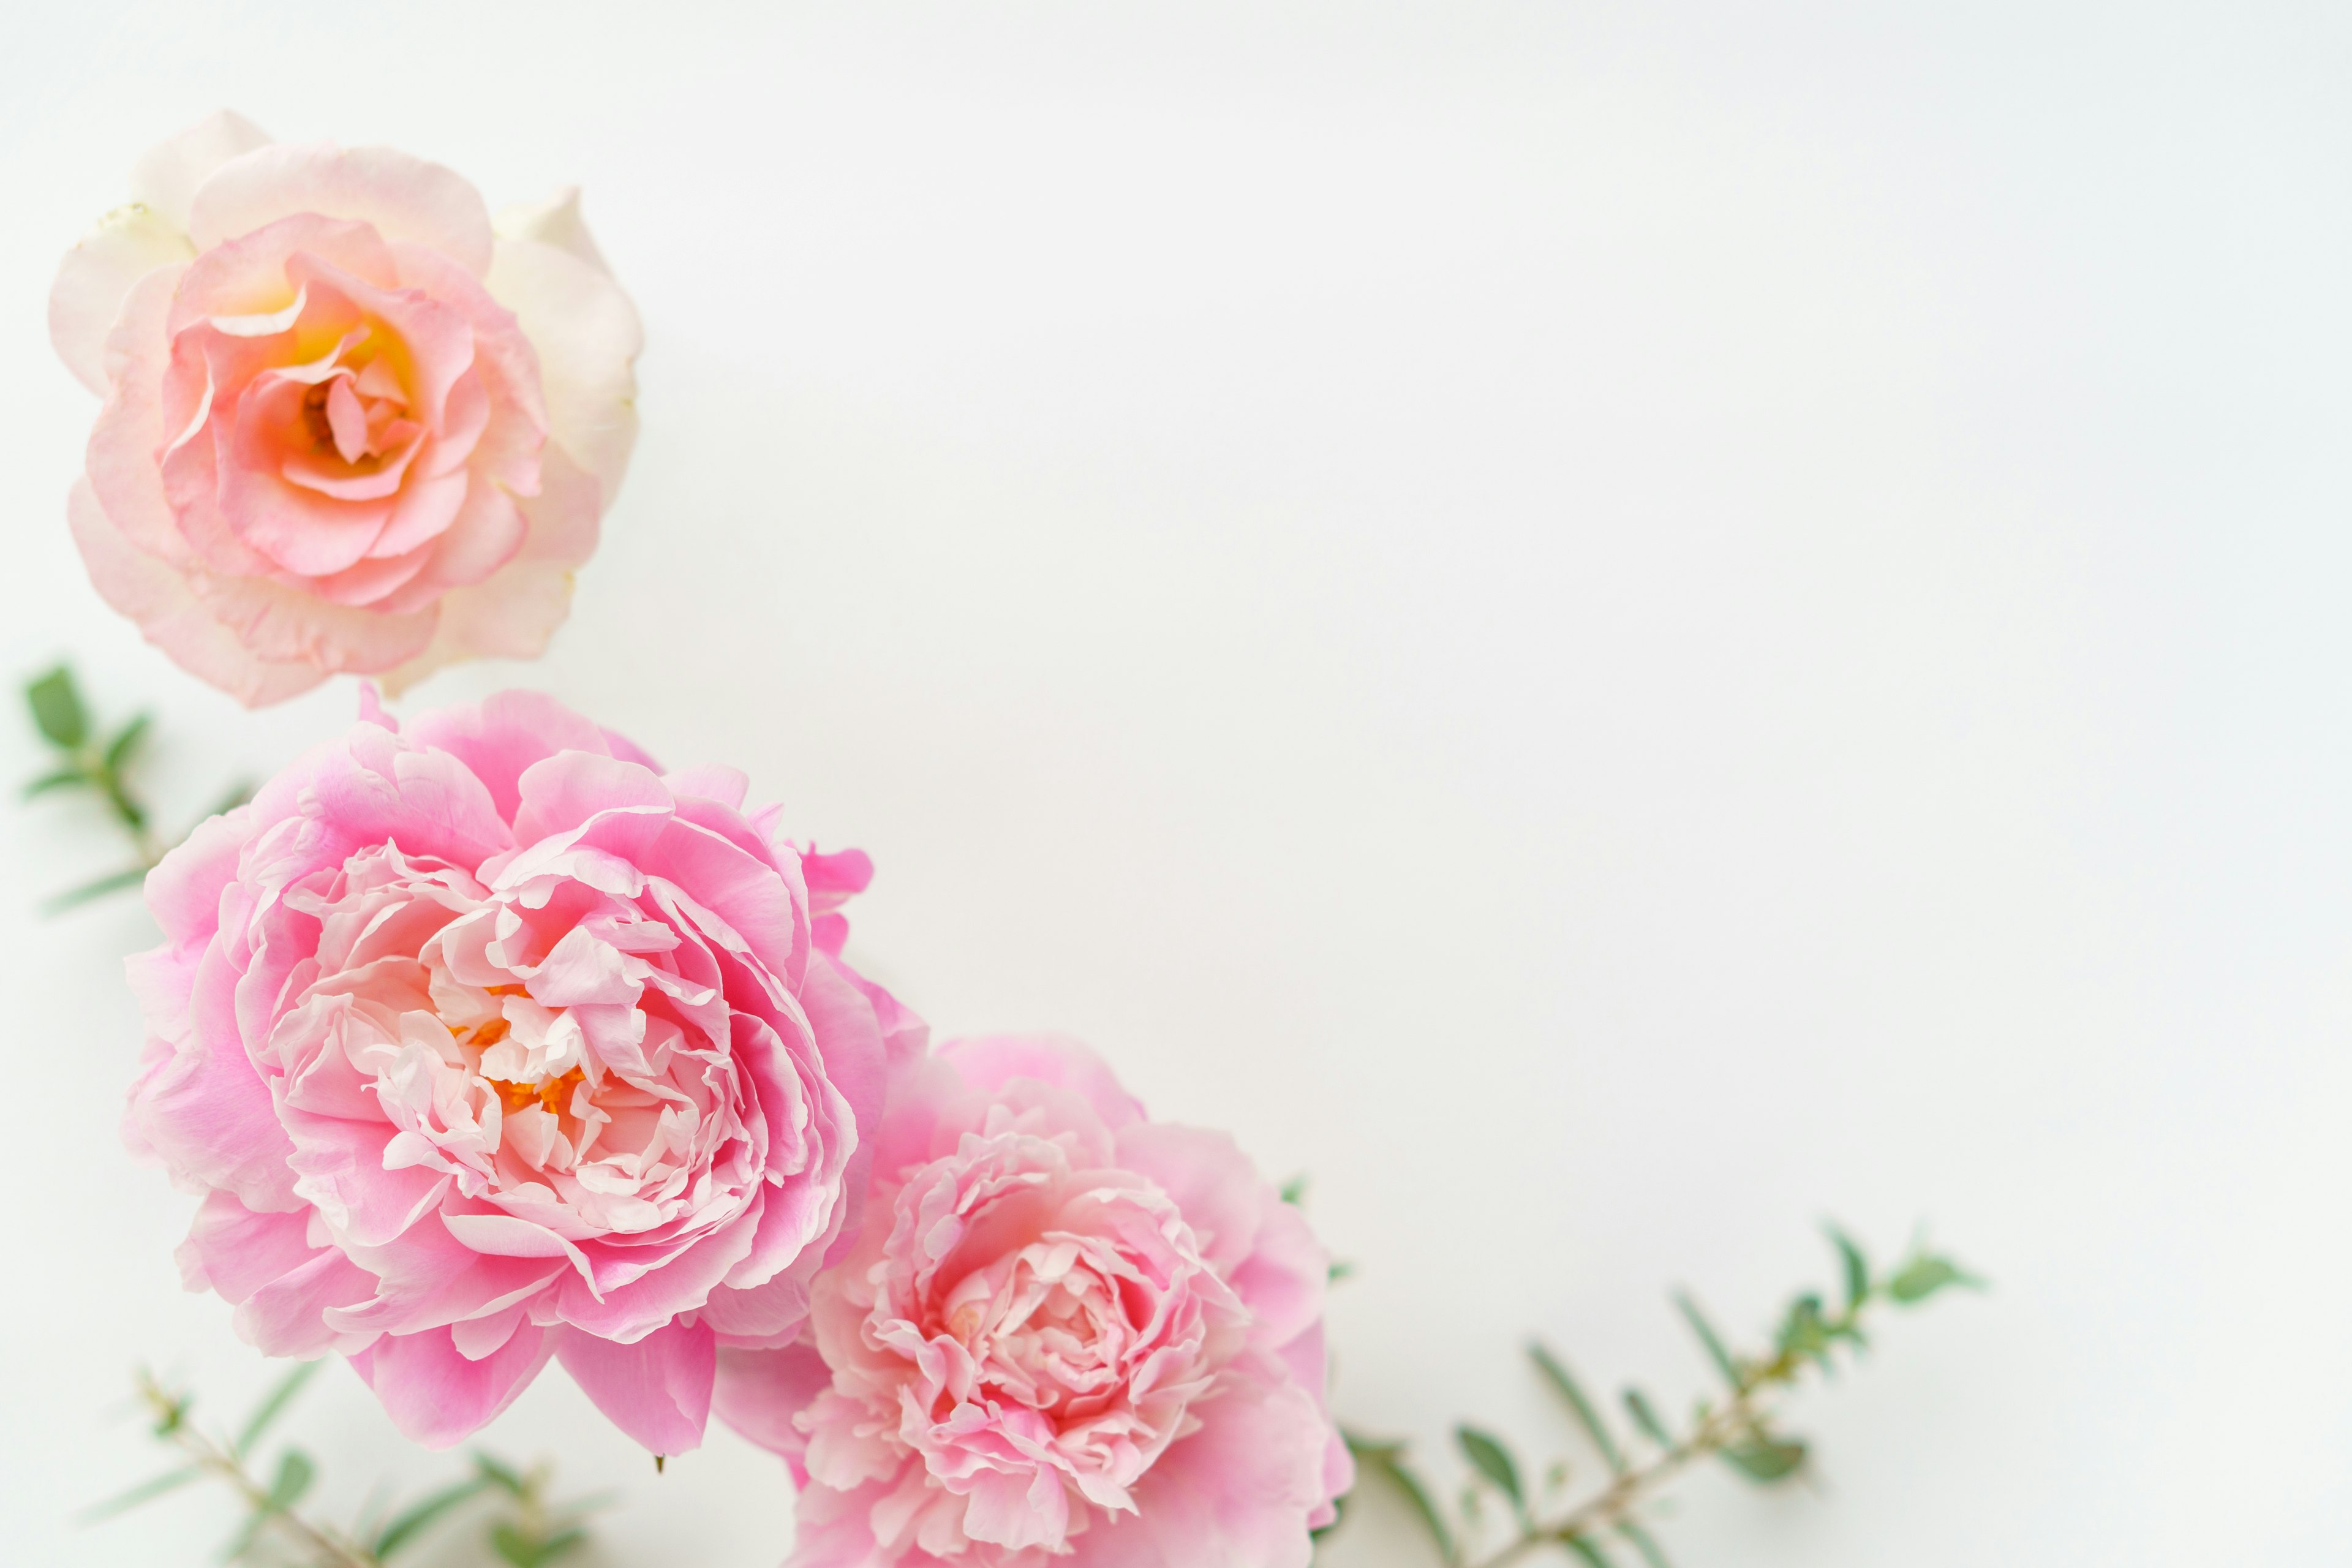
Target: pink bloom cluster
{"x": 351, "y": 424}
{"x": 485, "y": 1040}
{"x": 1068, "y": 1334}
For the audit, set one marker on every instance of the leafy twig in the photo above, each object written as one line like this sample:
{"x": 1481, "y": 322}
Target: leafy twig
{"x": 88, "y": 760}
{"x": 1738, "y": 1431}
{"x": 527, "y": 1533}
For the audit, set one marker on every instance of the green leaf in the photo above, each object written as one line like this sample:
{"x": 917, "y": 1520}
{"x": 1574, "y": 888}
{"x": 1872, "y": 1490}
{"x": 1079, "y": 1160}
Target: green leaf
{"x": 1712, "y": 1340}
{"x": 153, "y": 1487}
{"x": 1857, "y": 1267}
{"x": 1585, "y": 1548}
{"x": 62, "y": 779}
{"x": 1556, "y": 1373}
{"x": 1638, "y": 1407}
{"x": 1804, "y": 1332}
{"x": 126, "y": 742}
{"x": 1925, "y": 1275}
{"x": 1643, "y": 1542}
{"x": 421, "y": 1514}
{"x": 499, "y": 1473}
{"x": 1764, "y": 1459}
{"x": 272, "y": 1405}
{"x": 513, "y": 1546}
{"x": 1340, "y": 1269}
{"x": 1294, "y": 1190}
{"x": 58, "y": 710}
{"x": 561, "y": 1543}
{"x": 1387, "y": 1461}
{"x": 112, "y": 882}
{"x": 1491, "y": 1460}
{"x": 295, "y": 1474}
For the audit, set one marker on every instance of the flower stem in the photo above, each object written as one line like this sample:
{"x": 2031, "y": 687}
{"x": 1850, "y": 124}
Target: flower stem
{"x": 1615, "y": 1507}
{"x": 223, "y": 1463}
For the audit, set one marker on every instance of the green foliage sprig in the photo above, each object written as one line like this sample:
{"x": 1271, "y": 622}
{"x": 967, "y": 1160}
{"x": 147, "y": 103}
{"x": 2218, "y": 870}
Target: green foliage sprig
{"x": 523, "y": 1530}
{"x": 1738, "y": 1430}
{"x": 88, "y": 760}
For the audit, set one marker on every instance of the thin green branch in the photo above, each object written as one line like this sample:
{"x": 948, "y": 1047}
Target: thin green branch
{"x": 1738, "y": 1430}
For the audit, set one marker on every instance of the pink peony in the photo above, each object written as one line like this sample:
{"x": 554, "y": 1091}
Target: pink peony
{"x": 349, "y": 424}
{"x": 485, "y": 1040}
{"x": 1068, "y": 1335}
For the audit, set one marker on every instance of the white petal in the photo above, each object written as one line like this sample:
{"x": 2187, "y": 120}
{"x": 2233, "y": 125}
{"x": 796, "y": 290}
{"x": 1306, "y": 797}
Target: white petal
{"x": 587, "y": 338}
{"x": 555, "y": 221}
{"x": 165, "y": 179}
{"x": 96, "y": 277}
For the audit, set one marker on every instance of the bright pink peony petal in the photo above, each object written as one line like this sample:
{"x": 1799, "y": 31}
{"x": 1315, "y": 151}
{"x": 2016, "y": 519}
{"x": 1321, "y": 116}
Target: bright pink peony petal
{"x": 438, "y": 1396}
{"x": 656, "y": 1389}
{"x": 457, "y": 1096}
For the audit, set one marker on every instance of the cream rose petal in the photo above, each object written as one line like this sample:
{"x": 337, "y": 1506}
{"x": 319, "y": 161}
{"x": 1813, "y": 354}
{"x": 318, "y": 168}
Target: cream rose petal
{"x": 587, "y": 336}
{"x": 555, "y": 221}
{"x": 165, "y": 178}
{"x": 98, "y": 274}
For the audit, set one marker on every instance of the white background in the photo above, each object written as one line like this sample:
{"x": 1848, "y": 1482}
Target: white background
{"x": 1613, "y": 633}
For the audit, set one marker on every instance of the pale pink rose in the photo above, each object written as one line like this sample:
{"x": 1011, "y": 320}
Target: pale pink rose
{"x": 1069, "y": 1335}
{"x": 351, "y": 424}
{"x": 486, "y": 1041}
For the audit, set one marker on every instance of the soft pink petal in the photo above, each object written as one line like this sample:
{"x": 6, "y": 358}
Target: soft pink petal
{"x": 759, "y": 1391}
{"x": 285, "y": 626}
{"x": 169, "y": 615}
{"x": 656, "y": 1389}
{"x": 513, "y": 613}
{"x": 439, "y": 1397}
{"x": 988, "y": 1062}
{"x": 406, "y": 198}
{"x": 1237, "y": 1493}
{"x": 503, "y": 736}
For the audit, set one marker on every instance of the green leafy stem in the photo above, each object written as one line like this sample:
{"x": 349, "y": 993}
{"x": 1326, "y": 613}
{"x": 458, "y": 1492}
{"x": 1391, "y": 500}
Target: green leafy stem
{"x": 525, "y": 1531}
{"x": 1738, "y": 1430}
{"x": 90, "y": 760}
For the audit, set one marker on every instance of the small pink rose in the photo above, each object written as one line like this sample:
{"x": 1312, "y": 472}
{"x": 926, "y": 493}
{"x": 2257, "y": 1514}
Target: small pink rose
{"x": 486, "y": 1041}
{"x": 351, "y": 425}
{"x": 1069, "y": 1335}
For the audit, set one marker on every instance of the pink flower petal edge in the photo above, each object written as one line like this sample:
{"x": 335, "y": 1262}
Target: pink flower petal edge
{"x": 485, "y": 1042}
{"x": 1067, "y": 1334}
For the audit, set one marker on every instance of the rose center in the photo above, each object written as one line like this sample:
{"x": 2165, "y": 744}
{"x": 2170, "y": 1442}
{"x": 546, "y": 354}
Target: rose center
{"x": 360, "y": 413}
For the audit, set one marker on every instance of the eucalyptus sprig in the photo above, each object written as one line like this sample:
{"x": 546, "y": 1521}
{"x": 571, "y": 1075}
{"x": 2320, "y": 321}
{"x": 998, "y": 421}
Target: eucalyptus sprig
{"x": 89, "y": 760}
{"x": 1738, "y": 1430}
{"x": 524, "y": 1531}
